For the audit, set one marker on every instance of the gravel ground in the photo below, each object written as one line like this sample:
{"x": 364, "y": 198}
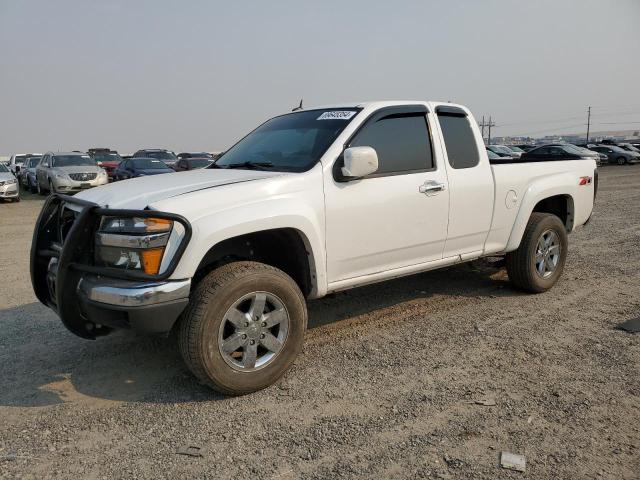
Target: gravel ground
{"x": 386, "y": 386}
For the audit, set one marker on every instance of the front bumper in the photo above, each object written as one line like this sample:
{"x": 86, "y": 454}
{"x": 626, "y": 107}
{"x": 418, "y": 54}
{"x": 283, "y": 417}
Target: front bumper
{"x": 9, "y": 191}
{"x": 64, "y": 185}
{"x": 90, "y": 300}
{"x": 145, "y": 307}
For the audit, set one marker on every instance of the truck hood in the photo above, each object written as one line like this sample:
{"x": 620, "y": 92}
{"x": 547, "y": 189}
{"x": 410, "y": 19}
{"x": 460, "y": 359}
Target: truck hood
{"x": 138, "y": 193}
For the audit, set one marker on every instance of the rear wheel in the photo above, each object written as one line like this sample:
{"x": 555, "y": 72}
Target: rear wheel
{"x": 243, "y": 328}
{"x": 621, "y": 160}
{"x": 539, "y": 260}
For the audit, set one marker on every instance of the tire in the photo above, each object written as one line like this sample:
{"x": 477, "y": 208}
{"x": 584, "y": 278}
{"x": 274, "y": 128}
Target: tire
{"x": 52, "y": 189}
{"x": 524, "y": 265}
{"x": 621, "y": 160}
{"x": 232, "y": 289}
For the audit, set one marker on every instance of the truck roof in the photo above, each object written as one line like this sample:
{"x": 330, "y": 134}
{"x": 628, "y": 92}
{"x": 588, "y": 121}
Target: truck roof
{"x": 385, "y": 103}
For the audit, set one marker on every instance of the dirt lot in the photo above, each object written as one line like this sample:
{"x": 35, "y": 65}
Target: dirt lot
{"x": 385, "y": 386}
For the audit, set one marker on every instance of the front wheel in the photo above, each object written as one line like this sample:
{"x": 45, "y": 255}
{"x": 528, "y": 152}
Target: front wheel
{"x": 621, "y": 160}
{"x": 243, "y": 327}
{"x": 538, "y": 262}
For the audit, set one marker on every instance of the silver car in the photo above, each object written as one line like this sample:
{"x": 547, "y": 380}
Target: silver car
{"x": 68, "y": 172}
{"x": 8, "y": 184}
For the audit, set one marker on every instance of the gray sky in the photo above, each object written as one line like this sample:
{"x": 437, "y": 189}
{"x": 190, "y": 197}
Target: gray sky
{"x": 196, "y": 75}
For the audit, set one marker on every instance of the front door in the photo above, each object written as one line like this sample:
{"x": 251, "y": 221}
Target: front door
{"x": 397, "y": 216}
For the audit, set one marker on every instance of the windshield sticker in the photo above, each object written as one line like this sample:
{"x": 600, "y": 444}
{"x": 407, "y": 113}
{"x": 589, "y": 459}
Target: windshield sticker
{"x": 337, "y": 115}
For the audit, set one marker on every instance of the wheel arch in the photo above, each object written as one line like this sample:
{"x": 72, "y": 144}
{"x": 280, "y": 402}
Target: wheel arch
{"x": 286, "y": 248}
{"x": 554, "y": 196}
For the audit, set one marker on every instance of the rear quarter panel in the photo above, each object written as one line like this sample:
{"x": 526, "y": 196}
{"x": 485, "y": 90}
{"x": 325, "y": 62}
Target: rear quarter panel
{"x": 520, "y": 186}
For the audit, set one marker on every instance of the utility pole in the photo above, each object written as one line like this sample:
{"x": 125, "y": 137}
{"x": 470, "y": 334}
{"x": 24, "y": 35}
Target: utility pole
{"x": 490, "y": 124}
{"x": 588, "y": 122}
{"x": 482, "y": 126}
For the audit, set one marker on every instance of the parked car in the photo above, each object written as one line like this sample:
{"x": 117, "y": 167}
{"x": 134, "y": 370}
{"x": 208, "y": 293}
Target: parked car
{"x": 107, "y": 159}
{"x": 195, "y": 155}
{"x": 526, "y": 147}
{"x": 503, "y": 151}
{"x": 558, "y": 151}
{"x": 140, "y": 167}
{"x": 16, "y": 161}
{"x": 27, "y": 176}
{"x": 68, "y": 172}
{"x": 184, "y": 164}
{"x": 629, "y": 147}
{"x": 494, "y": 157}
{"x": 581, "y": 152}
{"x": 342, "y": 197}
{"x": 514, "y": 148}
{"x": 617, "y": 155}
{"x": 167, "y": 156}
{"x": 8, "y": 184}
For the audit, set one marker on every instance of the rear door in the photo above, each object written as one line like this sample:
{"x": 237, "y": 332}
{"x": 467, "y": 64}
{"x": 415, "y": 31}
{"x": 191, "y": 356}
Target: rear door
{"x": 397, "y": 216}
{"x": 471, "y": 185}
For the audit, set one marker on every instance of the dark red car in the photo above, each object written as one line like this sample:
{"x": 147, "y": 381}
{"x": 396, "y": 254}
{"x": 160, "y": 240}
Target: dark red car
{"x": 107, "y": 159}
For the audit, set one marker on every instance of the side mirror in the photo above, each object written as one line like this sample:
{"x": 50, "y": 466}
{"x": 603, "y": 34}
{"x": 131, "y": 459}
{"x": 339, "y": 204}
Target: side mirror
{"x": 359, "y": 162}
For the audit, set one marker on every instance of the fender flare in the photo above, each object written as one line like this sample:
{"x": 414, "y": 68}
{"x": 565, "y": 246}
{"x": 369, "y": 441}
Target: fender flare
{"x": 540, "y": 189}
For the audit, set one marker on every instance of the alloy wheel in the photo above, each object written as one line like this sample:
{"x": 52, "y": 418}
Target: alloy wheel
{"x": 548, "y": 251}
{"x": 253, "y": 331}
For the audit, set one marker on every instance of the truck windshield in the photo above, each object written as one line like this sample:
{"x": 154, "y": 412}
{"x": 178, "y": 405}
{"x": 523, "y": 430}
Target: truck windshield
{"x": 289, "y": 143}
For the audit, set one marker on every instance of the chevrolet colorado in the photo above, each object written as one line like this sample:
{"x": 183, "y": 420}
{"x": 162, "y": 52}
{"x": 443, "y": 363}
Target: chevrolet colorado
{"x": 308, "y": 203}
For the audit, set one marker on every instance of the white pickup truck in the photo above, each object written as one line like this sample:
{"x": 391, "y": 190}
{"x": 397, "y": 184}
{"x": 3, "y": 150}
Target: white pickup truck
{"x": 310, "y": 202}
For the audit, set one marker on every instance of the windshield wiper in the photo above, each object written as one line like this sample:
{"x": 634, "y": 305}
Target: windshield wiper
{"x": 250, "y": 165}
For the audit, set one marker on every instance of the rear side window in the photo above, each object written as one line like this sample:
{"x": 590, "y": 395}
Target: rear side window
{"x": 459, "y": 141}
{"x": 401, "y": 141}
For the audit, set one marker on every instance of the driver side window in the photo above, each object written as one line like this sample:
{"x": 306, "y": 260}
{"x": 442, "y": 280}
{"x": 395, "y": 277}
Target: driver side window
{"x": 401, "y": 141}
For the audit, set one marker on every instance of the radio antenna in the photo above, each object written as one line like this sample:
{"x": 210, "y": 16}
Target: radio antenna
{"x": 299, "y": 107}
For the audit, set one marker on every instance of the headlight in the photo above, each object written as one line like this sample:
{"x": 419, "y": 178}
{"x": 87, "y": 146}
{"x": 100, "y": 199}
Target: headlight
{"x": 62, "y": 175}
{"x": 102, "y": 173}
{"x": 134, "y": 243}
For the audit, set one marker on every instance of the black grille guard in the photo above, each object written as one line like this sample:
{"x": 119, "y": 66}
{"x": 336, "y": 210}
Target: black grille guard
{"x": 61, "y": 253}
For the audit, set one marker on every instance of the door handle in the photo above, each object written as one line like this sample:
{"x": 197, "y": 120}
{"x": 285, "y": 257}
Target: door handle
{"x": 431, "y": 187}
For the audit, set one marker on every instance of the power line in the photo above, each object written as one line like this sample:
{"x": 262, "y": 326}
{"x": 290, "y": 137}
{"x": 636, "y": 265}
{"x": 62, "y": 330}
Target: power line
{"x": 553, "y": 129}
{"x": 615, "y": 123}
